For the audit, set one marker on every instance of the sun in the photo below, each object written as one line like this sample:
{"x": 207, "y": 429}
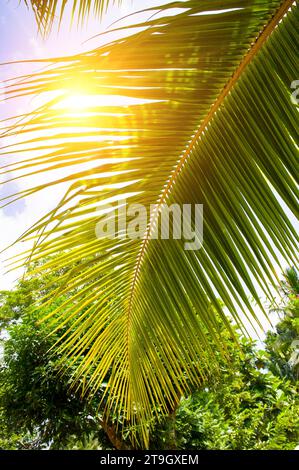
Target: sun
{"x": 76, "y": 102}
{"x": 85, "y": 102}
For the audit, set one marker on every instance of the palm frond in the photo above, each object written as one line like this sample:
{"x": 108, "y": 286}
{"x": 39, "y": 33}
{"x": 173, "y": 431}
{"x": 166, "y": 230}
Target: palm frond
{"x": 46, "y": 11}
{"x": 212, "y": 123}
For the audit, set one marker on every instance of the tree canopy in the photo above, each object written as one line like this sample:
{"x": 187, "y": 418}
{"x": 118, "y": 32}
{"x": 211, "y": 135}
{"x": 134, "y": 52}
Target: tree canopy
{"x": 251, "y": 402}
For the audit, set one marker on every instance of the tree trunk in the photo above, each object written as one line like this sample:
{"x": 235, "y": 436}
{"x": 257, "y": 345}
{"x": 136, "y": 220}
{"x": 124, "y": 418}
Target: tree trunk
{"x": 117, "y": 443}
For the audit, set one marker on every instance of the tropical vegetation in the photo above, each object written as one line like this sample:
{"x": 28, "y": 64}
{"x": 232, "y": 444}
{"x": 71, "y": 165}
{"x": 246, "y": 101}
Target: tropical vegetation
{"x": 200, "y": 112}
{"x": 251, "y": 403}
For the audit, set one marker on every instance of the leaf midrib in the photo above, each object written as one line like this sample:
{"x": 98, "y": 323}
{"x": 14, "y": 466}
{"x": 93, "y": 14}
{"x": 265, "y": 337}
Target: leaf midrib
{"x": 247, "y": 59}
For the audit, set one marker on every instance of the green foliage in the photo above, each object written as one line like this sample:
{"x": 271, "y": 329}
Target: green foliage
{"x": 247, "y": 409}
{"x": 253, "y": 403}
{"x": 14, "y": 303}
{"x": 249, "y": 404}
{"x": 283, "y": 345}
{"x": 30, "y": 292}
{"x": 37, "y": 408}
{"x": 35, "y": 402}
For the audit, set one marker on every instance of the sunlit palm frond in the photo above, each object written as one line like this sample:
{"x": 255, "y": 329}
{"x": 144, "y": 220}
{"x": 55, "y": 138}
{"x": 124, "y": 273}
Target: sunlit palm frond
{"x": 46, "y": 11}
{"x": 208, "y": 119}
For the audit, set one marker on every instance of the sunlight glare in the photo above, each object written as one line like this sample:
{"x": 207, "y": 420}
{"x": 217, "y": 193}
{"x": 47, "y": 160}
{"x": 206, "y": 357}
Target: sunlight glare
{"x": 75, "y": 102}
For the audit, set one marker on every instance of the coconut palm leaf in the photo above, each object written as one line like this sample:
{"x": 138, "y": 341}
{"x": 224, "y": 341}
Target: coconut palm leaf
{"x": 46, "y": 11}
{"x": 208, "y": 119}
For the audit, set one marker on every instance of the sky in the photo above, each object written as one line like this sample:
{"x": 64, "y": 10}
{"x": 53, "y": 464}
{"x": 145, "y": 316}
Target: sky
{"x": 19, "y": 40}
